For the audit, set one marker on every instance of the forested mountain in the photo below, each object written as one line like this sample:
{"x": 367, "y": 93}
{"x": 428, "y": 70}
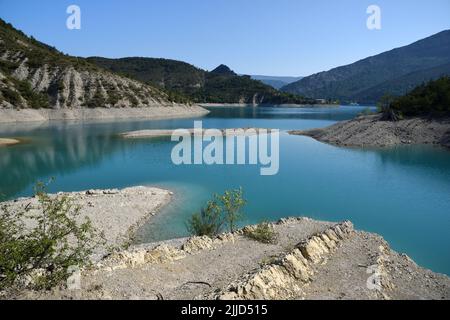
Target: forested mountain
{"x": 394, "y": 72}
{"x": 221, "y": 85}
{"x": 430, "y": 99}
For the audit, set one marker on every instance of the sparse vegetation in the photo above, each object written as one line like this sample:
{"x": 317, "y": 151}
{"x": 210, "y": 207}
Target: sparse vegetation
{"x": 232, "y": 202}
{"x": 38, "y": 248}
{"x": 209, "y": 222}
{"x": 11, "y": 96}
{"x": 223, "y": 211}
{"x": 385, "y": 108}
{"x": 263, "y": 233}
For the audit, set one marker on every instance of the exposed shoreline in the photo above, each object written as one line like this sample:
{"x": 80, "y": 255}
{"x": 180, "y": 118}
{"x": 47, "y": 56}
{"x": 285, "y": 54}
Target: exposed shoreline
{"x": 8, "y": 142}
{"x": 310, "y": 260}
{"x": 44, "y": 115}
{"x": 370, "y": 131}
{"x": 286, "y": 105}
{"x": 140, "y": 134}
{"x": 116, "y": 213}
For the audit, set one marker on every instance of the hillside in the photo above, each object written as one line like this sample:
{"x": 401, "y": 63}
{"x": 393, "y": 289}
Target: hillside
{"x": 394, "y": 72}
{"x": 431, "y": 99}
{"x": 35, "y": 75}
{"x": 163, "y": 73}
{"x": 419, "y": 117}
{"x": 221, "y": 85}
{"x": 404, "y": 84}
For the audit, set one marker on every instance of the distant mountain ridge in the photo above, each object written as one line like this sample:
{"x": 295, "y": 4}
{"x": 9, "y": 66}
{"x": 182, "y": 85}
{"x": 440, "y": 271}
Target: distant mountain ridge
{"x": 276, "y": 82}
{"x": 221, "y": 85}
{"x": 393, "y": 72}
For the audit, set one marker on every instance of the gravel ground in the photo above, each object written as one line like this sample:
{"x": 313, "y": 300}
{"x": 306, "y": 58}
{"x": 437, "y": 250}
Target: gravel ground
{"x": 202, "y": 271}
{"x": 117, "y": 213}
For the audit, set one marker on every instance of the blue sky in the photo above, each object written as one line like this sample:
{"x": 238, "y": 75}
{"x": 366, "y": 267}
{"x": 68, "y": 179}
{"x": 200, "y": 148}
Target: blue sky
{"x": 272, "y": 37}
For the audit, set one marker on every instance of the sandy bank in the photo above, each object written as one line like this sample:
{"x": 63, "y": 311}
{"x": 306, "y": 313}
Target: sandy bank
{"x": 8, "y": 142}
{"x": 203, "y": 132}
{"x": 118, "y": 213}
{"x": 370, "y": 131}
{"x": 42, "y": 115}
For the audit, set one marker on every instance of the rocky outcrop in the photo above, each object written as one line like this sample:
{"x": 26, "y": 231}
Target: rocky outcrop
{"x": 162, "y": 253}
{"x": 195, "y": 244}
{"x": 285, "y": 278}
{"x": 135, "y": 258}
{"x": 371, "y": 131}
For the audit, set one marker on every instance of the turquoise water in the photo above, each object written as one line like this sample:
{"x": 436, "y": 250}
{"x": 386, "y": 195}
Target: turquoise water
{"x": 401, "y": 193}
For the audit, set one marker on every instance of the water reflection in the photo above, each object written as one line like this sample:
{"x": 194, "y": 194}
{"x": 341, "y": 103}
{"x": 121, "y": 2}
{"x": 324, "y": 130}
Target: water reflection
{"x": 58, "y": 152}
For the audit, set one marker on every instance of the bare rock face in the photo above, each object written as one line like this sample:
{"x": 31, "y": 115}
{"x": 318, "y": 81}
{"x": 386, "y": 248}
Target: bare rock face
{"x": 68, "y": 87}
{"x": 129, "y": 259}
{"x": 198, "y": 243}
{"x": 163, "y": 253}
{"x": 371, "y": 131}
{"x": 285, "y": 278}
{"x": 37, "y": 76}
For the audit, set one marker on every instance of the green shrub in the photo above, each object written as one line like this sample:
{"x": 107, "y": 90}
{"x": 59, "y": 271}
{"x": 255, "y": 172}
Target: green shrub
{"x": 209, "y": 222}
{"x": 430, "y": 99}
{"x": 35, "y": 100}
{"x": 232, "y": 202}
{"x": 8, "y": 66}
{"x": 43, "y": 249}
{"x": 263, "y": 233}
{"x": 223, "y": 211}
{"x": 98, "y": 100}
{"x": 11, "y": 96}
{"x": 387, "y": 111}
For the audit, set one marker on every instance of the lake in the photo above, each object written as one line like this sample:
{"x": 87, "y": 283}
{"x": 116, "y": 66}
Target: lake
{"x": 402, "y": 193}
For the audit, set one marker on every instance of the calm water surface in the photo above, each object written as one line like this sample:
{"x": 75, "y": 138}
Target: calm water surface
{"x": 402, "y": 193}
